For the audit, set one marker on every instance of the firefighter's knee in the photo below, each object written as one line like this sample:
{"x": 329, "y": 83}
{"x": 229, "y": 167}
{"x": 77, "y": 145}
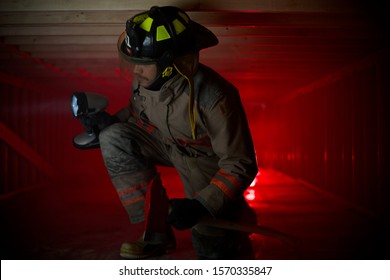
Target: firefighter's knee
{"x": 108, "y": 135}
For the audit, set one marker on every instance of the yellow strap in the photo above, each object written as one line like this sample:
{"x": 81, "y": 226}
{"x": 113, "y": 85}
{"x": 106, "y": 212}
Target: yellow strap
{"x": 191, "y": 107}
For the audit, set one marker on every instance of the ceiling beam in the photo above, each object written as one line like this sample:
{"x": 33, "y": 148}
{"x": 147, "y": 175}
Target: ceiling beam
{"x": 223, "y": 40}
{"x": 87, "y": 29}
{"x": 208, "y": 18}
{"x": 264, "y": 5}
{"x": 292, "y": 49}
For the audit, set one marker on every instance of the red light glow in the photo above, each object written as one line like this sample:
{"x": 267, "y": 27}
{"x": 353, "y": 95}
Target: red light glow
{"x": 250, "y": 194}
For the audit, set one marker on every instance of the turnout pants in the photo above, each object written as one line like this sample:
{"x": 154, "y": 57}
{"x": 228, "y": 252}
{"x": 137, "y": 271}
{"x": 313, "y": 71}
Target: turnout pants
{"x": 131, "y": 155}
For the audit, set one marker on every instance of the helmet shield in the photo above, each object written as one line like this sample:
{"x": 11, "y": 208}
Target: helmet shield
{"x": 127, "y": 55}
{"x": 126, "y": 67}
{"x": 127, "y": 63}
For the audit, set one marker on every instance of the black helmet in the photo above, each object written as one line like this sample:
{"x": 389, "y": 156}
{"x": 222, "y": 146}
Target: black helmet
{"x": 168, "y": 37}
{"x": 161, "y": 35}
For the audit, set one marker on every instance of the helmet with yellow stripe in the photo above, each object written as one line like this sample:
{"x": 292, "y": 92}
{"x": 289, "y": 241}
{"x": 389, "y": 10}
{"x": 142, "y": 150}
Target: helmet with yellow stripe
{"x": 167, "y": 37}
{"x": 162, "y": 34}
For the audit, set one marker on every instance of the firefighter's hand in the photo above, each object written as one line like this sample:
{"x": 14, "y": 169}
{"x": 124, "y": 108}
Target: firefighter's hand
{"x": 97, "y": 122}
{"x": 185, "y": 213}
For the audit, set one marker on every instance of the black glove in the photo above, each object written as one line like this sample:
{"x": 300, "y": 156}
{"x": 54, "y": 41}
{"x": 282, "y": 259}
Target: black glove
{"x": 97, "y": 122}
{"x": 185, "y": 213}
{"x": 93, "y": 124}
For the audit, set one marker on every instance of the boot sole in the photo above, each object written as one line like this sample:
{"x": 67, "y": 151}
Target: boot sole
{"x": 157, "y": 252}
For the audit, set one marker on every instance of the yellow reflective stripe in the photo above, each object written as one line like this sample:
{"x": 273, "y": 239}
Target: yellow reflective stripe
{"x": 162, "y": 33}
{"x": 146, "y": 24}
{"x": 141, "y": 17}
{"x": 179, "y": 27}
{"x": 184, "y": 16}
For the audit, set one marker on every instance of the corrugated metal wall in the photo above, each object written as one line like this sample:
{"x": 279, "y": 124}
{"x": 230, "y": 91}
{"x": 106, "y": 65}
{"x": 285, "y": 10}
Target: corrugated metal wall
{"x": 333, "y": 135}
{"x": 36, "y": 125}
{"x": 30, "y": 130}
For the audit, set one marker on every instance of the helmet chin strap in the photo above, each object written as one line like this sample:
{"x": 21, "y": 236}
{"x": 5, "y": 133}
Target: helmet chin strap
{"x": 165, "y": 71}
{"x": 187, "y": 66}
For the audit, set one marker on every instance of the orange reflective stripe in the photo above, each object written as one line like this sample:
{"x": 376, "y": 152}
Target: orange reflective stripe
{"x": 233, "y": 180}
{"x": 132, "y": 189}
{"x": 204, "y": 141}
{"x": 132, "y": 200}
{"x": 133, "y": 194}
{"x": 150, "y": 128}
{"x": 223, "y": 187}
{"x": 229, "y": 184}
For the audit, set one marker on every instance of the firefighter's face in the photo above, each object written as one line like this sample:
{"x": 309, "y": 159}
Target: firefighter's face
{"x": 145, "y": 74}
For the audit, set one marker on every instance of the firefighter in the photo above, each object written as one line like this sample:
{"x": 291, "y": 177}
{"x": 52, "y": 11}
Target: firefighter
{"x": 184, "y": 115}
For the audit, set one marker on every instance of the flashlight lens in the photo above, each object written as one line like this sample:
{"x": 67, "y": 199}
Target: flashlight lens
{"x": 75, "y": 106}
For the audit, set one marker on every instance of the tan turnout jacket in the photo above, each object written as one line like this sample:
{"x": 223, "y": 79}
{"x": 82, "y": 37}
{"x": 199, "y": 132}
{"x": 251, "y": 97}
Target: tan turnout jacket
{"x": 220, "y": 163}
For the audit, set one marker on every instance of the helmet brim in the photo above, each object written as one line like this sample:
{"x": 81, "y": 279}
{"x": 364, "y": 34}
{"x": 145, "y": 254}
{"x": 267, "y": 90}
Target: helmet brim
{"x": 204, "y": 38}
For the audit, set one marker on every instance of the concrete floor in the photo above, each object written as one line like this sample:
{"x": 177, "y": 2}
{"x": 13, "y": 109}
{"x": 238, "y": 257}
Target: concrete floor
{"x": 85, "y": 220}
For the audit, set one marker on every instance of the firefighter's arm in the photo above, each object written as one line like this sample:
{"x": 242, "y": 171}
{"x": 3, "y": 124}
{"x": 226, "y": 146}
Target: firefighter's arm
{"x": 124, "y": 114}
{"x": 232, "y": 142}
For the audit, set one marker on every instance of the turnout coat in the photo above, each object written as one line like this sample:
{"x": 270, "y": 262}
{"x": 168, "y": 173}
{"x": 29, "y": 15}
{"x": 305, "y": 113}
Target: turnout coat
{"x": 219, "y": 164}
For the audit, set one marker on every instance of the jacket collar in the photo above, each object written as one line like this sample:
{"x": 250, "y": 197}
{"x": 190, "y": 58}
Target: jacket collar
{"x": 167, "y": 91}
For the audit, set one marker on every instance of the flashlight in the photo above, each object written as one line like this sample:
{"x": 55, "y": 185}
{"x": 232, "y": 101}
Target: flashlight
{"x": 89, "y": 108}
{"x": 86, "y": 104}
